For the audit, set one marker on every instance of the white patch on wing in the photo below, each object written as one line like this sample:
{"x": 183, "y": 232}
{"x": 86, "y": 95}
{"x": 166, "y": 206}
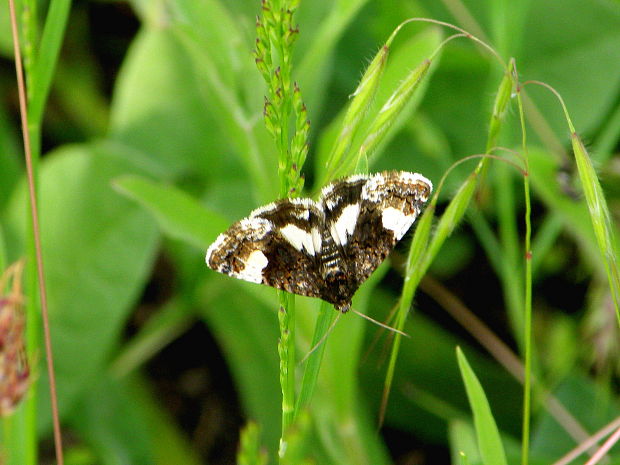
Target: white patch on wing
{"x": 396, "y": 221}
{"x": 345, "y": 225}
{"x": 317, "y": 240}
{"x": 254, "y": 265}
{"x": 299, "y": 238}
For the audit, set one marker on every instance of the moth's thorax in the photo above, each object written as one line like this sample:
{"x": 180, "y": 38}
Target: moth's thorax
{"x": 339, "y": 288}
{"x": 330, "y": 258}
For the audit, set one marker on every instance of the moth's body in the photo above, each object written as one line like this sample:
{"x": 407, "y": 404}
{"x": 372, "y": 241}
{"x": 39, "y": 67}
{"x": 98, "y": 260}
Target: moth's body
{"x": 323, "y": 249}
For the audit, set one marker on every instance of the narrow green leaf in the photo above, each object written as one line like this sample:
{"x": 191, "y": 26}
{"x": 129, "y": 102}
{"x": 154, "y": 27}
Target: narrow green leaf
{"x": 178, "y": 214}
{"x": 313, "y": 364}
{"x": 416, "y": 253}
{"x": 47, "y": 55}
{"x": 450, "y": 219}
{"x": 489, "y": 441}
{"x": 463, "y": 447}
{"x": 3, "y": 263}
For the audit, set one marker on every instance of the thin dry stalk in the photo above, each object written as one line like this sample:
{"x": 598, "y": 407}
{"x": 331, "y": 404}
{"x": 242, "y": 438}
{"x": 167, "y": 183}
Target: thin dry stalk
{"x": 37, "y": 237}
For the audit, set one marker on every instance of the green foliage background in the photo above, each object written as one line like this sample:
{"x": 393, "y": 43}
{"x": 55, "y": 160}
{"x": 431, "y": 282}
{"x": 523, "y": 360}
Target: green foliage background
{"x": 178, "y": 151}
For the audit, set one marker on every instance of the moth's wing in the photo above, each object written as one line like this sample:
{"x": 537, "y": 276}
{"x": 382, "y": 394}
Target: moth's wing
{"x": 369, "y": 215}
{"x": 276, "y": 245}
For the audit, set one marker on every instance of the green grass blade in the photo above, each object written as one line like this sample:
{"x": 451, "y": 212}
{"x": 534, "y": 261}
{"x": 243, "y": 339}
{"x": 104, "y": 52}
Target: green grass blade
{"x": 416, "y": 257}
{"x": 46, "y": 58}
{"x": 597, "y": 207}
{"x": 600, "y": 217}
{"x": 463, "y": 445}
{"x": 311, "y": 372}
{"x": 489, "y": 441}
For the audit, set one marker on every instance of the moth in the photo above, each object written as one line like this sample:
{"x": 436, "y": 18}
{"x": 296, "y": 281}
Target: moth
{"x": 325, "y": 248}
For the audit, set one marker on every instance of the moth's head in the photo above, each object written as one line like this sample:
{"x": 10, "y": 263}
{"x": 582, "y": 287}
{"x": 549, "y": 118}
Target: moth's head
{"x": 343, "y": 307}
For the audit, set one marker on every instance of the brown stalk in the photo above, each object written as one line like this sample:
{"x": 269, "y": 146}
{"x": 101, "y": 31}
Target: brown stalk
{"x": 37, "y": 237}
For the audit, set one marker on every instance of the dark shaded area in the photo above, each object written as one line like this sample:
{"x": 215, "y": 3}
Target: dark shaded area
{"x": 194, "y": 385}
{"x": 112, "y": 26}
{"x": 405, "y": 449}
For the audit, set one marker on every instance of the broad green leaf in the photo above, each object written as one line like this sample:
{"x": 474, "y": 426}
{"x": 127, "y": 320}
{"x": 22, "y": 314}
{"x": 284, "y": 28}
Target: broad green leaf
{"x": 593, "y": 406}
{"x": 125, "y": 423}
{"x": 98, "y": 250}
{"x": 109, "y": 419}
{"x": 575, "y": 47}
{"x": 159, "y": 109}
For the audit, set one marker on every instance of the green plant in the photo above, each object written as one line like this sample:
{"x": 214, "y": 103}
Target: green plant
{"x": 187, "y": 151}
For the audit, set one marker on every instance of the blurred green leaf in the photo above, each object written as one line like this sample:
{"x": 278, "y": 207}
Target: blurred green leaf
{"x": 427, "y": 365}
{"x": 247, "y": 332}
{"x": 161, "y": 109}
{"x": 159, "y": 330}
{"x": 46, "y": 54}
{"x": 318, "y": 57}
{"x": 592, "y": 406}
{"x": 111, "y": 421}
{"x": 463, "y": 442}
{"x": 125, "y": 423}
{"x": 10, "y": 169}
{"x": 98, "y": 252}
{"x": 574, "y": 46}
{"x": 250, "y": 452}
{"x": 178, "y": 215}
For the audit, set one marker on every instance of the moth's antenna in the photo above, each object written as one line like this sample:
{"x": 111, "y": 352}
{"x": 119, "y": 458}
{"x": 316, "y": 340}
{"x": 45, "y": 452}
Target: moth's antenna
{"x": 377, "y": 335}
{"x": 331, "y": 327}
{"x": 322, "y": 340}
{"x": 383, "y": 325}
